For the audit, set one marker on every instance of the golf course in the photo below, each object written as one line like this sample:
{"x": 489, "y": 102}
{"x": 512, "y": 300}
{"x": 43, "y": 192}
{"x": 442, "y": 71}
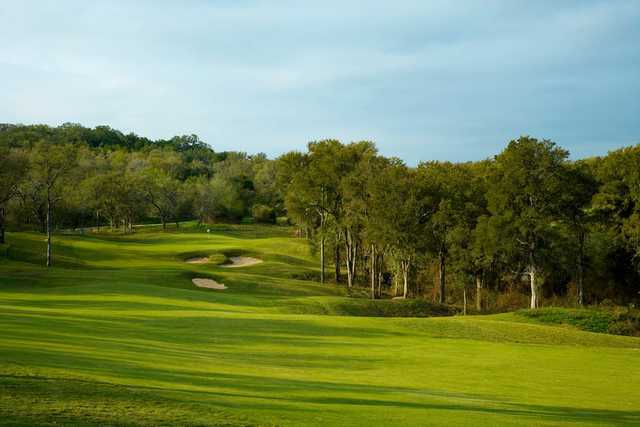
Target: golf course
{"x": 117, "y": 333}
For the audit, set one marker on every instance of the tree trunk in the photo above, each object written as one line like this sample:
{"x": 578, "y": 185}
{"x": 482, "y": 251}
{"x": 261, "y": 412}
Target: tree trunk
{"x": 379, "y": 275}
{"x": 395, "y": 285}
{"x": 442, "y": 272}
{"x": 2, "y": 225}
{"x": 177, "y": 225}
{"x": 580, "y": 271}
{"x": 351, "y": 248}
{"x": 349, "y": 271}
{"x": 49, "y": 220}
{"x": 464, "y": 301}
{"x": 322, "y": 259}
{"x": 534, "y": 286}
{"x": 322, "y": 223}
{"x": 404, "y": 265}
{"x": 337, "y": 259}
{"x": 373, "y": 272}
{"x": 478, "y": 291}
{"x": 164, "y": 224}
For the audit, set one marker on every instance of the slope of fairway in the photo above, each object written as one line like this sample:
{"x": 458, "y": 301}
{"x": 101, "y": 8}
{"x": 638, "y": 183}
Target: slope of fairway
{"x": 117, "y": 334}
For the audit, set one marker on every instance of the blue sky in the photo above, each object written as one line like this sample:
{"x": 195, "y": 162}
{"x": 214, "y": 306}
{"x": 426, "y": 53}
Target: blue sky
{"x": 423, "y": 79}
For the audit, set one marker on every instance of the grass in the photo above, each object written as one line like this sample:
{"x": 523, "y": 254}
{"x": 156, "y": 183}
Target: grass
{"x": 116, "y": 334}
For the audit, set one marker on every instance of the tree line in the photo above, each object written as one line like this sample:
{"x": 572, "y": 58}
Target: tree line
{"x": 528, "y": 222}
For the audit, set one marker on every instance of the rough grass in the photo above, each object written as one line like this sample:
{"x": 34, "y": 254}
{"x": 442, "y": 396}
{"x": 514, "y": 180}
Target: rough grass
{"x": 116, "y": 334}
{"x": 619, "y": 321}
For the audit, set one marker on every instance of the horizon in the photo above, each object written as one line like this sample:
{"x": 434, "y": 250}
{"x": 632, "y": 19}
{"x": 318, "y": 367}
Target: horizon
{"x": 424, "y": 82}
{"x": 570, "y": 156}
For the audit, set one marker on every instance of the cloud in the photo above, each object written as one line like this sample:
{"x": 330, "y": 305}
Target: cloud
{"x": 425, "y": 80}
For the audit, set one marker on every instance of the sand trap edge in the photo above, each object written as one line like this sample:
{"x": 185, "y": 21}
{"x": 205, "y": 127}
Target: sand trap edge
{"x": 208, "y": 283}
{"x": 242, "y": 261}
{"x": 197, "y": 260}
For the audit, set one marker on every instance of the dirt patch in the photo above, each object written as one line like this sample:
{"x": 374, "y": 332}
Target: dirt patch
{"x": 242, "y": 261}
{"x": 209, "y": 284}
{"x": 198, "y": 260}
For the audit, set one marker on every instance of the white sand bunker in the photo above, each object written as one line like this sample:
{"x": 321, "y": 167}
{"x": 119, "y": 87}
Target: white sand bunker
{"x": 197, "y": 260}
{"x": 242, "y": 261}
{"x": 209, "y": 284}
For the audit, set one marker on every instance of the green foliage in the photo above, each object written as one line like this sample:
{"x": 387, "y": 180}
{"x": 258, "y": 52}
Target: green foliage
{"x": 283, "y": 221}
{"x": 263, "y": 214}
{"x": 618, "y": 321}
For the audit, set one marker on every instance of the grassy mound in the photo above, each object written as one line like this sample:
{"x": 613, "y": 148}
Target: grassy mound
{"x": 212, "y": 259}
{"x": 617, "y": 321}
{"x": 366, "y": 307}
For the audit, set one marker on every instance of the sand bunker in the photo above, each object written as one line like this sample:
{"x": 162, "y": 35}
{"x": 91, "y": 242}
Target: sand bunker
{"x": 197, "y": 260}
{"x": 242, "y": 261}
{"x": 209, "y": 284}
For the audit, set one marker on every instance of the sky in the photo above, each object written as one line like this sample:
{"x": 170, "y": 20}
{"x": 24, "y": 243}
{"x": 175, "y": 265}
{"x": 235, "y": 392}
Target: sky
{"x": 425, "y": 80}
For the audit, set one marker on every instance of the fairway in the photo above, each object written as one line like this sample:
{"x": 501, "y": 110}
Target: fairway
{"x": 116, "y": 333}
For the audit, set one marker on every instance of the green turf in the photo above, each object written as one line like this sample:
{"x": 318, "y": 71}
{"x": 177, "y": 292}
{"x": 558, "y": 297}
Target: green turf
{"x": 116, "y": 334}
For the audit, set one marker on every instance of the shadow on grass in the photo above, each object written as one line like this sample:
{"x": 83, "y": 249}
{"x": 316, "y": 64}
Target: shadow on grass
{"x": 246, "y": 394}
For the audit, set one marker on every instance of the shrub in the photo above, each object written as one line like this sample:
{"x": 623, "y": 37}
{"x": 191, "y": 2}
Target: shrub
{"x": 283, "y": 220}
{"x": 263, "y": 213}
{"x": 392, "y": 308}
{"x": 618, "y": 321}
{"x": 625, "y": 327}
{"x": 511, "y": 300}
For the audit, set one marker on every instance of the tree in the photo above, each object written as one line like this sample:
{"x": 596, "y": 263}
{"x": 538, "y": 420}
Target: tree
{"x": 578, "y": 215}
{"x": 50, "y": 164}
{"x": 267, "y": 188}
{"x": 616, "y": 207}
{"x": 13, "y": 166}
{"x": 314, "y": 194}
{"x": 468, "y": 242}
{"x": 451, "y": 202}
{"x": 355, "y": 222}
{"x": 394, "y": 220}
{"x": 163, "y": 193}
{"x": 525, "y": 191}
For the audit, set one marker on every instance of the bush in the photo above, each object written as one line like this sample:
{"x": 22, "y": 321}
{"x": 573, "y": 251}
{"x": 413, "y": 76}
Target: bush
{"x": 283, "y": 220}
{"x": 618, "y": 321}
{"x": 512, "y": 300}
{"x": 263, "y": 214}
{"x": 625, "y": 327}
{"x": 398, "y": 308}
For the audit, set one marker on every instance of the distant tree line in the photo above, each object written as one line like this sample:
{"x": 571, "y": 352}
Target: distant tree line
{"x": 527, "y": 222}
{"x": 71, "y": 177}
